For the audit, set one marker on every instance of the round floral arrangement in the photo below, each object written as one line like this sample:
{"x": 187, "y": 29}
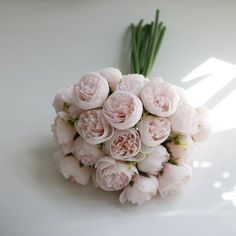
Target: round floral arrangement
{"x": 125, "y": 132}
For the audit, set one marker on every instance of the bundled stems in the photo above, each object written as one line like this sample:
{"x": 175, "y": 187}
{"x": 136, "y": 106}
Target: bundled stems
{"x": 146, "y": 42}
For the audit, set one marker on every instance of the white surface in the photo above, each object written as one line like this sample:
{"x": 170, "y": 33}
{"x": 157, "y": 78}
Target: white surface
{"x": 45, "y": 45}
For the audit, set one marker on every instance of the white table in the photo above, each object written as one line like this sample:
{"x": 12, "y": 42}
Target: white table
{"x": 45, "y": 45}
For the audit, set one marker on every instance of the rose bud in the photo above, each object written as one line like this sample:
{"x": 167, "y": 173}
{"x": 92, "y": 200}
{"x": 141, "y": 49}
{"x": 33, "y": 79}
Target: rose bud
{"x": 93, "y": 127}
{"x": 159, "y": 98}
{"x": 112, "y": 75}
{"x": 153, "y": 162}
{"x": 62, "y": 99}
{"x": 63, "y": 131}
{"x": 123, "y": 110}
{"x": 203, "y": 134}
{"x": 63, "y": 102}
{"x": 181, "y": 147}
{"x": 124, "y": 145}
{"x": 90, "y": 91}
{"x": 112, "y": 175}
{"x": 88, "y": 154}
{"x": 132, "y": 83}
{"x": 154, "y": 130}
{"x": 141, "y": 190}
{"x": 71, "y": 168}
{"x": 173, "y": 178}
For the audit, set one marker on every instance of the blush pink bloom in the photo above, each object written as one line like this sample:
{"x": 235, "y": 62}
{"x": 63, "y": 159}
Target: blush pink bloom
{"x": 74, "y": 111}
{"x": 93, "y": 127}
{"x": 204, "y": 132}
{"x": 123, "y": 110}
{"x": 90, "y": 91}
{"x": 132, "y": 83}
{"x": 112, "y": 75}
{"x": 112, "y": 175}
{"x": 182, "y": 149}
{"x": 71, "y": 169}
{"x": 203, "y": 113}
{"x": 154, "y": 130}
{"x": 173, "y": 178}
{"x": 63, "y": 102}
{"x": 63, "y": 131}
{"x": 159, "y": 98}
{"x": 67, "y": 148}
{"x": 124, "y": 145}
{"x": 185, "y": 120}
{"x": 87, "y": 153}
{"x": 153, "y": 163}
{"x": 62, "y": 99}
{"x": 141, "y": 190}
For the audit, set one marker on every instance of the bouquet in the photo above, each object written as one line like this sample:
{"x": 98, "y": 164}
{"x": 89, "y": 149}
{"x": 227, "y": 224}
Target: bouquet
{"x": 128, "y": 133}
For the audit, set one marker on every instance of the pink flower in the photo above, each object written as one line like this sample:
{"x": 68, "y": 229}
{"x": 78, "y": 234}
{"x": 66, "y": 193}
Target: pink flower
{"x": 62, "y": 99}
{"x": 185, "y": 120}
{"x": 141, "y": 190}
{"x": 112, "y": 75}
{"x": 203, "y": 134}
{"x": 159, "y": 98}
{"x": 181, "y": 147}
{"x": 71, "y": 169}
{"x": 67, "y": 148}
{"x": 112, "y": 175}
{"x": 132, "y": 83}
{"x": 153, "y": 130}
{"x": 153, "y": 163}
{"x": 63, "y": 131}
{"x": 74, "y": 111}
{"x": 173, "y": 178}
{"x": 87, "y": 153}
{"x": 93, "y": 127}
{"x": 123, "y": 110}
{"x": 124, "y": 145}
{"x": 90, "y": 91}
{"x": 203, "y": 113}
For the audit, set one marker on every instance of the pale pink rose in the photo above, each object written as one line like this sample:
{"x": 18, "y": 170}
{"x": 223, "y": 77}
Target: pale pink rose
{"x": 203, "y": 134}
{"x": 141, "y": 190}
{"x": 203, "y": 113}
{"x": 62, "y": 99}
{"x": 74, "y": 111}
{"x": 146, "y": 150}
{"x": 63, "y": 131}
{"x": 123, "y": 110}
{"x": 67, "y": 147}
{"x": 157, "y": 79}
{"x": 173, "y": 178}
{"x": 112, "y": 75}
{"x": 153, "y": 163}
{"x": 112, "y": 175}
{"x": 181, "y": 147}
{"x": 154, "y": 130}
{"x": 185, "y": 120}
{"x": 71, "y": 168}
{"x": 93, "y": 127}
{"x": 124, "y": 145}
{"x": 159, "y": 98}
{"x": 87, "y": 153}
{"x": 90, "y": 91}
{"x": 132, "y": 83}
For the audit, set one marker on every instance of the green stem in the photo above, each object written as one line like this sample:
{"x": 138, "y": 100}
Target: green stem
{"x": 146, "y": 42}
{"x": 134, "y": 50}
